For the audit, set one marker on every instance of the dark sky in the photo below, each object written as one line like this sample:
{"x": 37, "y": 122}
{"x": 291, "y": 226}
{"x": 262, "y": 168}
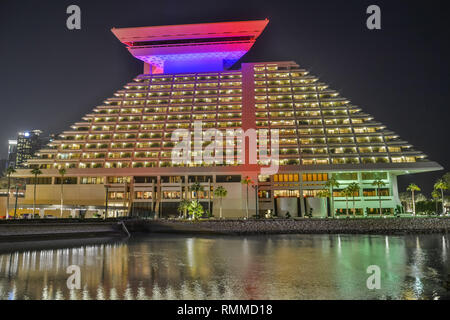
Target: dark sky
{"x": 50, "y": 76}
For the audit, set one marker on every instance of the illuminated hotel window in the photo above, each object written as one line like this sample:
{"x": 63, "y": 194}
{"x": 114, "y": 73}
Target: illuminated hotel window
{"x": 285, "y": 177}
{"x": 201, "y": 195}
{"x": 172, "y": 179}
{"x": 286, "y": 193}
{"x": 322, "y": 161}
{"x": 118, "y": 180}
{"x": 114, "y": 195}
{"x": 91, "y": 180}
{"x": 143, "y": 195}
{"x": 315, "y": 177}
{"x": 373, "y": 175}
{"x": 346, "y": 176}
{"x": 307, "y": 161}
{"x": 264, "y": 194}
{"x": 374, "y": 193}
{"x": 312, "y": 193}
{"x": 394, "y": 149}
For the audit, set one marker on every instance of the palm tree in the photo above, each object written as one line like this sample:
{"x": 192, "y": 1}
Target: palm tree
{"x": 441, "y": 185}
{"x": 9, "y": 172}
{"x": 62, "y": 172}
{"x": 35, "y": 172}
{"x": 378, "y": 183}
{"x": 346, "y": 193}
{"x": 220, "y": 193}
{"x": 353, "y": 188}
{"x": 331, "y": 184}
{"x": 436, "y": 195}
{"x": 413, "y": 187}
{"x": 183, "y": 207}
{"x": 446, "y": 178}
{"x": 247, "y": 181}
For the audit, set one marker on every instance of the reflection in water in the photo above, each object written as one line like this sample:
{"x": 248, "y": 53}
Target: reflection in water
{"x": 256, "y": 267}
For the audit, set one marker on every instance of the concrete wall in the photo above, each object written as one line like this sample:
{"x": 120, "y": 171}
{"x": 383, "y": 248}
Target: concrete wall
{"x": 74, "y": 194}
{"x": 318, "y": 206}
{"x": 232, "y": 203}
{"x": 285, "y": 226}
{"x": 40, "y": 230}
{"x": 287, "y": 204}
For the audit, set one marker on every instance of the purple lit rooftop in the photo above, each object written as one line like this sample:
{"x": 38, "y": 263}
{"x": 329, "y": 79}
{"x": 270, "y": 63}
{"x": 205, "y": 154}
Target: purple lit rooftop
{"x": 193, "y": 47}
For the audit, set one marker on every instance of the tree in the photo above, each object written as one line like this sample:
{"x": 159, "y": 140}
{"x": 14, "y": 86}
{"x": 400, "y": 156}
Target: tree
{"x": 195, "y": 209}
{"x": 420, "y": 197}
{"x": 441, "y": 184}
{"x": 405, "y": 199}
{"x": 436, "y": 195}
{"x": 378, "y": 183}
{"x": 413, "y": 187}
{"x": 35, "y": 172}
{"x": 446, "y": 178}
{"x": 220, "y": 193}
{"x": 323, "y": 193}
{"x": 183, "y": 207}
{"x": 247, "y": 181}
{"x": 353, "y": 188}
{"x": 331, "y": 184}
{"x": 9, "y": 172}
{"x": 346, "y": 193}
{"x": 62, "y": 172}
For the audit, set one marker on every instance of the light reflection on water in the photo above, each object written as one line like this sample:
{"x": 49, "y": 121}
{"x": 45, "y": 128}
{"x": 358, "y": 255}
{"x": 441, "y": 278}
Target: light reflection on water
{"x": 256, "y": 267}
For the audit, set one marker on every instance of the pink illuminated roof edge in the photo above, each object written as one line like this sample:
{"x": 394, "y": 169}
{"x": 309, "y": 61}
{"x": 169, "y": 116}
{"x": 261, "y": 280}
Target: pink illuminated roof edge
{"x": 187, "y": 31}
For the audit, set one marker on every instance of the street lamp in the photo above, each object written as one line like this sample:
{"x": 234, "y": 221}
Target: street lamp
{"x": 255, "y": 186}
{"x": 106, "y": 200}
{"x": 209, "y": 196}
{"x": 15, "y": 205}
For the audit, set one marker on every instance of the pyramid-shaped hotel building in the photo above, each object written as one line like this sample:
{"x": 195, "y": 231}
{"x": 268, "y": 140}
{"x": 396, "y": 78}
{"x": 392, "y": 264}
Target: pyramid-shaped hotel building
{"x": 121, "y": 152}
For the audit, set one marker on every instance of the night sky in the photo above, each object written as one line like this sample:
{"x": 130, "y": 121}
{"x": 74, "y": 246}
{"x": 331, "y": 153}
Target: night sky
{"x": 51, "y": 76}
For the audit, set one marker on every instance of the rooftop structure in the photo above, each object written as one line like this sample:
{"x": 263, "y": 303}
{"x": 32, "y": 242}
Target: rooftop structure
{"x": 191, "y": 47}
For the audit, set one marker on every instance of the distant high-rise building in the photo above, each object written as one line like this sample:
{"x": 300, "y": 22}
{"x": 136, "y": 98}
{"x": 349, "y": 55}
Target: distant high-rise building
{"x": 28, "y": 143}
{"x": 12, "y": 153}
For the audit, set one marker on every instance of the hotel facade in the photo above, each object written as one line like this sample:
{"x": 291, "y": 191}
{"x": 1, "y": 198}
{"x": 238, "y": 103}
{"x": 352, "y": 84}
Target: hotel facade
{"x": 120, "y": 154}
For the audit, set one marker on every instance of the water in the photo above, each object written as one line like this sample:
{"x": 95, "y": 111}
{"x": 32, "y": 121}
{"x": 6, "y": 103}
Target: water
{"x": 252, "y": 267}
